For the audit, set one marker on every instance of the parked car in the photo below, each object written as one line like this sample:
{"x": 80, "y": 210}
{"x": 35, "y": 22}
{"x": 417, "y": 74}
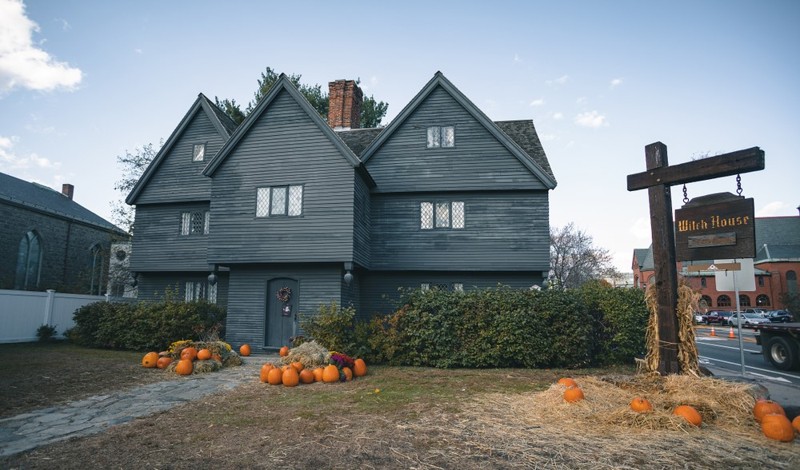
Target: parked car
{"x": 761, "y": 312}
{"x": 780, "y": 316}
{"x": 747, "y": 319}
{"x": 699, "y": 317}
{"x": 716, "y": 316}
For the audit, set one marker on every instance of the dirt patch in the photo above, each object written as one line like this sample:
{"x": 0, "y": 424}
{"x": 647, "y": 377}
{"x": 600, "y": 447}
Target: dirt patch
{"x": 398, "y": 417}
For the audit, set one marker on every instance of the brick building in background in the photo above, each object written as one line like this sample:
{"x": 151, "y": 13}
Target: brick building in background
{"x": 777, "y": 265}
{"x": 49, "y": 241}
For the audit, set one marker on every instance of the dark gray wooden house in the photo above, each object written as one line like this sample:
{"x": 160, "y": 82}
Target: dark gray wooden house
{"x": 288, "y": 211}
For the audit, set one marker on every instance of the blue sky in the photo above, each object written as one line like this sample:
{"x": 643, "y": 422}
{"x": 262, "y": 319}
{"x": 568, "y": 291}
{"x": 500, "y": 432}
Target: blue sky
{"x": 82, "y": 81}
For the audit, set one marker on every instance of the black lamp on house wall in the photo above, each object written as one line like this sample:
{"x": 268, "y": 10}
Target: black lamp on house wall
{"x": 212, "y": 279}
{"x": 348, "y": 276}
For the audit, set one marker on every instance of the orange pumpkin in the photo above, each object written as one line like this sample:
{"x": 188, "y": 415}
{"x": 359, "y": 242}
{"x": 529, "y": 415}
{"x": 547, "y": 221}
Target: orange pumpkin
{"x": 184, "y": 367}
{"x": 216, "y": 357}
{"x": 359, "y": 368}
{"x": 150, "y": 360}
{"x": 317, "y": 374}
{"x": 284, "y": 351}
{"x": 567, "y": 382}
{"x": 244, "y": 350}
{"x": 689, "y": 413}
{"x": 189, "y": 353}
{"x": 573, "y": 394}
{"x": 275, "y": 376}
{"x": 298, "y": 366}
{"x": 348, "y": 374}
{"x": 796, "y": 423}
{"x": 290, "y": 377}
{"x": 777, "y": 426}
{"x": 641, "y": 405}
{"x": 306, "y": 376}
{"x": 766, "y": 407}
{"x": 203, "y": 355}
{"x": 163, "y": 362}
{"x": 330, "y": 374}
{"x": 265, "y": 372}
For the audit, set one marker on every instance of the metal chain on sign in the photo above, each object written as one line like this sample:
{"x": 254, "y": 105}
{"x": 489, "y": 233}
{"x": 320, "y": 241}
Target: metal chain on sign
{"x": 685, "y": 194}
{"x": 738, "y": 185}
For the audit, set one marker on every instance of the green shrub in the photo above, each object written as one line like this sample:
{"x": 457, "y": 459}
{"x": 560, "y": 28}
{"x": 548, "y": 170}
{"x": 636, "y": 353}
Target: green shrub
{"x": 144, "y": 326}
{"x": 46, "y": 333}
{"x": 332, "y": 327}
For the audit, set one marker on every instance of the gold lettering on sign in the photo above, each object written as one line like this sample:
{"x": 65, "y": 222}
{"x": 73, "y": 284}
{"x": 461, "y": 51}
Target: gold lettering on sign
{"x": 720, "y": 222}
{"x": 714, "y": 222}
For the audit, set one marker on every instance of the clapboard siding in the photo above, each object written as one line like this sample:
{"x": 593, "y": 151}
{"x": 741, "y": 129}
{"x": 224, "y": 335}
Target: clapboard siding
{"x": 158, "y": 244}
{"x": 477, "y": 162}
{"x": 247, "y": 304}
{"x": 157, "y": 286}
{"x": 504, "y": 231}
{"x": 178, "y": 178}
{"x": 283, "y": 148}
{"x": 380, "y": 295}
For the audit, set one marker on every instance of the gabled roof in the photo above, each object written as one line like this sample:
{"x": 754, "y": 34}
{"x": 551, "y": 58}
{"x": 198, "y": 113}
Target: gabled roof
{"x": 47, "y": 200}
{"x": 284, "y": 84}
{"x": 221, "y": 122}
{"x": 644, "y": 256}
{"x": 518, "y": 150}
{"x": 359, "y": 139}
{"x": 777, "y": 239}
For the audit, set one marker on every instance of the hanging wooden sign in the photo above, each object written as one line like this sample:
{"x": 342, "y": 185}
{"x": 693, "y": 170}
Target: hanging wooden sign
{"x": 715, "y": 226}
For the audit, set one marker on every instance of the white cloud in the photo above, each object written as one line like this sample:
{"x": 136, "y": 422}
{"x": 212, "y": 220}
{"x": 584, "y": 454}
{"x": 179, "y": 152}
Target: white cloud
{"x": 641, "y": 230}
{"x": 581, "y": 100}
{"x": 138, "y": 51}
{"x": 774, "y": 208}
{"x": 558, "y": 81}
{"x": 591, "y": 119}
{"x": 22, "y": 63}
{"x": 558, "y": 115}
{"x": 537, "y": 102}
{"x": 616, "y": 82}
{"x": 516, "y": 58}
{"x": 65, "y": 26}
{"x": 10, "y": 159}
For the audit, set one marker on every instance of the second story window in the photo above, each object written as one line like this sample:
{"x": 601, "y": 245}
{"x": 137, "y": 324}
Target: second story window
{"x": 195, "y": 223}
{"x": 441, "y": 215}
{"x": 279, "y": 200}
{"x": 441, "y": 137}
{"x": 199, "y": 152}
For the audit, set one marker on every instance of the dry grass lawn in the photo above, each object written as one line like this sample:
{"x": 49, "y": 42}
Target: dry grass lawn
{"x": 403, "y": 417}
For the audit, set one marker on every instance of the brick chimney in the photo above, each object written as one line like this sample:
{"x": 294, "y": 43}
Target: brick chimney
{"x": 344, "y": 105}
{"x": 68, "y": 190}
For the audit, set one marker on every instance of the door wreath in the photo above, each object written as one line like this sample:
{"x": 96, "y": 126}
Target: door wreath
{"x": 284, "y": 294}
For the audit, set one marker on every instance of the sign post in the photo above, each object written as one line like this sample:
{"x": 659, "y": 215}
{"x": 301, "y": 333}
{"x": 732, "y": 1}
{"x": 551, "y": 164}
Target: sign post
{"x": 658, "y": 179}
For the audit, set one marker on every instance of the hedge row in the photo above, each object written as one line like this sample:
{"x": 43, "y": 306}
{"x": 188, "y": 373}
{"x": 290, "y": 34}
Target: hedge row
{"x": 145, "y": 326}
{"x": 502, "y": 327}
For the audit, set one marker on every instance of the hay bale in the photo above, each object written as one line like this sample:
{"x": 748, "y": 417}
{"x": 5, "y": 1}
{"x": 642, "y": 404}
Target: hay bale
{"x": 311, "y": 354}
{"x": 203, "y": 367}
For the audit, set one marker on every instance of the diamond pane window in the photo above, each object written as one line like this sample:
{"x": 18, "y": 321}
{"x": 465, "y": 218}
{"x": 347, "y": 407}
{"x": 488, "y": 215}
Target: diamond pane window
{"x": 295, "y": 200}
{"x": 458, "y": 215}
{"x": 448, "y": 136}
{"x": 186, "y": 222}
{"x": 278, "y": 201}
{"x": 458, "y": 287}
{"x": 426, "y": 215}
{"x": 206, "y": 223}
{"x": 262, "y": 202}
{"x": 442, "y": 214}
{"x": 198, "y": 222}
{"x": 199, "y": 152}
{"x": 434, "y": 137}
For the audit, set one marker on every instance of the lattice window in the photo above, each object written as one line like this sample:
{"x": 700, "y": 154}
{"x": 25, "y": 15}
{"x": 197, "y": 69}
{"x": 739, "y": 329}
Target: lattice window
{"x": 448, "y": 136}
{"x": 278, "y": 201}
{"x": 426, "y": 215}
{"x": 212, "y": 293}
{"x": 441, "y": 137}
{"x": 186, "y": 223}
{"x": 458, "y": 287}
{"x": 195, "y": 223}
{"x": 198, "y": 222}
{"x": 295, "y": 200}
{"x": 442, "y": 214}
{"x": 434, "y": 137}
{"x": 425, "y": 286}
{"x": 262, "y": 202}
{"x": 458, "y": 214}
{"x": 198, "y": 152}
{"x": 206, "y": 222}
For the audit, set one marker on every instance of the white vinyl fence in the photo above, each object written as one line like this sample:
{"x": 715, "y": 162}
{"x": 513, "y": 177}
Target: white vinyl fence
{"x": 23, "y": 312}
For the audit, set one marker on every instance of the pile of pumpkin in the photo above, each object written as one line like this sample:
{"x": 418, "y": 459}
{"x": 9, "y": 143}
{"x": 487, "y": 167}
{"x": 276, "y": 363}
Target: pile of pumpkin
{"x": 309, "y": 363}
{"x": 774, "y": 423}
{"x": 188, "y": 357}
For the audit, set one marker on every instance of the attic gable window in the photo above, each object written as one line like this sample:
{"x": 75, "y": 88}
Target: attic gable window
{"x": 441, "y": 215}
{"x": 279, "y": 201}
{"x": 195, "y": 223}
{"x": 441, "y": 137}
{"x": 199, "y": 152}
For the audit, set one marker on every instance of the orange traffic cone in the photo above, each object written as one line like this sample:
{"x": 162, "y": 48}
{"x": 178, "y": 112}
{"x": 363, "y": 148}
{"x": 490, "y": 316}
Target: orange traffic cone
{"x": 713, "y": 333}
{"x": 731, "y": 334}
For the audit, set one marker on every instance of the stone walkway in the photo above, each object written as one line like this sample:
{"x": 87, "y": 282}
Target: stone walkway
{"x": 96, "y": 414}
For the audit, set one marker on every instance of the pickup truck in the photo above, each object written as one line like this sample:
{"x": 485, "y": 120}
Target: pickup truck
{"x": 780, "y": 344}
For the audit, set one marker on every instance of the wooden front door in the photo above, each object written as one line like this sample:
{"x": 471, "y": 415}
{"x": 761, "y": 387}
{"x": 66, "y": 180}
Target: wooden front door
{"x": 282, "y": 302}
